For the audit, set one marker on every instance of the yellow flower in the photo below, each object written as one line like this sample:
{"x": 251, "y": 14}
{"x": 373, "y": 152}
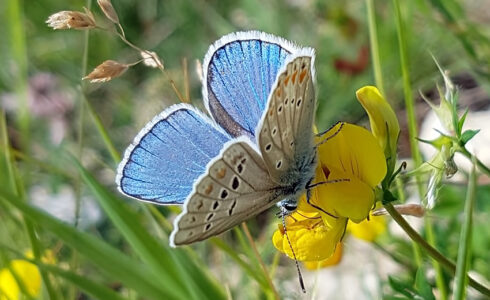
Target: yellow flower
{"x": 383, "y": 121}
{"x": 331, "y": 261}
{"x": 368, "y": 230}
{"x": 27, "y": 273}
{"x": 352, "y": 155}
{"x": 352, "y": 162}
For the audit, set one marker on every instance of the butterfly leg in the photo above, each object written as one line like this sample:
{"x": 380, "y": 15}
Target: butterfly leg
{"x": 331, "y": 136}
{"x": 328, "y": 181}
{"x": 308, "y": 198}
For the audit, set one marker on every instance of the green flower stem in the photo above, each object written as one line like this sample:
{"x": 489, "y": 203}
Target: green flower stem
{"x": 481, "y": 166}
{"x": 415, "y": 247}
{"x": 373, "y": 41}
{"x": 412, "y": 129}
{"x": 464, "y": 251}
{"x": 436, "y": 255}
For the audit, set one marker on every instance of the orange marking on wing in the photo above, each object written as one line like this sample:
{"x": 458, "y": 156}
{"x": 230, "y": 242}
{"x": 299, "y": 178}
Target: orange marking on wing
{"x": 286, "y": 80}
{"x": 221, "y": 173}
{"x": 302, "y": 76}
{"x": 294, "y": 77}
{"x": 208, "y": 189}
{"x": 278, "y": 93}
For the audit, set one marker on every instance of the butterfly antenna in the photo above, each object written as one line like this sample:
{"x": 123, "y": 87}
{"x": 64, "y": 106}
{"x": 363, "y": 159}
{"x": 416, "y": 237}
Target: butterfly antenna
{"x": 331, "y": 136}
{"x": 300, "y": 277}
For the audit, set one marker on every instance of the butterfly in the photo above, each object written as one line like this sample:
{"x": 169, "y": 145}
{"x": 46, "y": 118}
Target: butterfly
{"x": 256, "y": 150}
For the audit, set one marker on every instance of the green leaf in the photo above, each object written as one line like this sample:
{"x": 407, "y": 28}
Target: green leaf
{"x": 388, "y": 197}
{"x": 404, "y": 287}
{"x": 468, "y": 135}
{"x": 422, "y": 285}
{"x": 108, "y": 259}
{"x": 171, "y": 266}
{"x": 461, "y": 122}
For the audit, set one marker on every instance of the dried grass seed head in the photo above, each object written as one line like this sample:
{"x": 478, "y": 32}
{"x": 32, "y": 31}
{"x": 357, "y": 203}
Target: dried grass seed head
{"x": 108, "y": 10}
{"x": 68, "y": 19}
{"x": 151, "y": 59}
{"x": 106, "y": 71}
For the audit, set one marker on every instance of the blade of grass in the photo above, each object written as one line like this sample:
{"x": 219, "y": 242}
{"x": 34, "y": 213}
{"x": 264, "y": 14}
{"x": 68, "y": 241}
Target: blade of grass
{"x": 261, "y": 262}
{"x": 234, "y": 256}
{"x": 164, "y": 261}
{"x": 116, "y": 157}
{"x": 16, "y": 187}
{"x": 108, "y": 259}
{"x": 464, "y": 250}
{"x": 412, "y": 130}
{"x": 90, "y": 287}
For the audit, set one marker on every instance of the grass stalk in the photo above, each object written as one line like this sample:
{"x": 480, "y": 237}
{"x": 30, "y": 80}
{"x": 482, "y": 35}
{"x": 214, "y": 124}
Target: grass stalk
{"x": 17, "y": 48}
{"x": 464, "y": 251}
{"x": 261, "y": 262}
{"x": 373, "y": 42}
{"x": 412, "y": 129}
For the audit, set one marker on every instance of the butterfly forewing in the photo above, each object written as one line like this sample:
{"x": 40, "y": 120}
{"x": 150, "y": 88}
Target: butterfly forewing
{"x": 286, "y": 134}
{"x": 235, "y": 187}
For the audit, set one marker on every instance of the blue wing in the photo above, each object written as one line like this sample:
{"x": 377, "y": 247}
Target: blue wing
{"x": 168, "y": 155}
{"x": 239, "y": 71}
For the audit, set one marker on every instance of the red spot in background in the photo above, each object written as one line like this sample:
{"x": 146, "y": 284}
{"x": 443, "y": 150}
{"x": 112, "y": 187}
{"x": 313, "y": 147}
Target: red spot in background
{"x": 353, "y": 67}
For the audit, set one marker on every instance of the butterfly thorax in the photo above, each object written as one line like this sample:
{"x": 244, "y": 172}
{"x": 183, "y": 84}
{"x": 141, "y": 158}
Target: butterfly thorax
{"x": 295, "y": 181}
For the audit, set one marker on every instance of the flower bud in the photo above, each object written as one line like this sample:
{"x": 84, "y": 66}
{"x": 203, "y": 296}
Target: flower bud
{"x": 383, "y": 121}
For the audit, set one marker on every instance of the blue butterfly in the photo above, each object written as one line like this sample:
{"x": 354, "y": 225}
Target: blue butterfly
{"x": 257, "y": 150}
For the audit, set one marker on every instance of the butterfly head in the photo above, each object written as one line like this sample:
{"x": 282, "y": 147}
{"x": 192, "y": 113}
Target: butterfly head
{"x": 288, "y": 205}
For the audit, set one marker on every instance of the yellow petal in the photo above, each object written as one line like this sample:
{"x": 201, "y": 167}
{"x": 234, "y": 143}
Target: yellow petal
{"x": 353, "y": 155}
{"x": 354, "y": 150}
{"x": 382, "y": 119}
{"x": 310, "y": 239}
{"x": 27, "y": 272}
{"x": 368, "y": 230}
{"x": 8, "y": 286}
{"x": 331, "y": 261}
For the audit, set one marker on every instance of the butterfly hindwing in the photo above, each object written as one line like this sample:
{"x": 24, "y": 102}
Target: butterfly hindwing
{"x": 168, "y": 155}
{"x": 285, "y": 136}
{"x": 235, "y": 187}
{"x": 239, "y": 72}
